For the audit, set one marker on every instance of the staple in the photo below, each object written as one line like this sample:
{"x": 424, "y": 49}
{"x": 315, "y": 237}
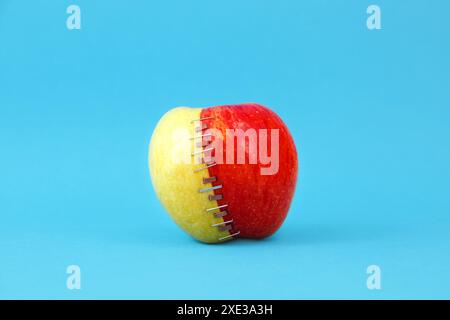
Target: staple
{"x": 215, "y": 197}
{"x": 201, "y": 136}
{"x": 209, "y": 180}
{"x": 204, "y": 168}
{"x": 221, "y": 223}
{"x": 202, "y": 143}
{"x": 210, "y": 188}
{"x": 220, "y": 214}
{"x": 229, "y": 236}
{"x": 215, "y": 208}
{"x": 201, "y": 119}
{"x": 201, "y": 128}
{"x": 201, "y": 151}
{"x": 205, "y": 160}
{"x": 225, "y": 228}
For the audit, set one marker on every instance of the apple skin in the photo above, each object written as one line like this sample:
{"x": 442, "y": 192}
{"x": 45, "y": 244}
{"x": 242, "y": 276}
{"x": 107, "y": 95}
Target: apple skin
{"x": 176, "y": 183}
{"x": 257, "y": 204}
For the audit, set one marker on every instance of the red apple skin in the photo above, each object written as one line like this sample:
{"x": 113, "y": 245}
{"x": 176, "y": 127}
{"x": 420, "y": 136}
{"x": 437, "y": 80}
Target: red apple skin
{"x": 258, "y": 204}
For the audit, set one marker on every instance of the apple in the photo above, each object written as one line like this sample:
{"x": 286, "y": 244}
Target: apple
{"x": 224, "y": 172}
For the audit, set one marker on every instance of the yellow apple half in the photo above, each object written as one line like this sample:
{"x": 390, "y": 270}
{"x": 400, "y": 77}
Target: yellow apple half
{"x": 177, "y": 183}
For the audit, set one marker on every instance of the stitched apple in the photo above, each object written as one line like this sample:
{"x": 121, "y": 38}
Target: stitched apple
{"x": 224, "y": 172}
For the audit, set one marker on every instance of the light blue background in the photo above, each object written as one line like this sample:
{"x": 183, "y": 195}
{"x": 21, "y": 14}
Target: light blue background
{"x": 369, "y": 111}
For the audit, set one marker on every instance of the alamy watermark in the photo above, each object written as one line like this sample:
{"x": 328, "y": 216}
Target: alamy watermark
{"x": 73, "y": 281}
{"x": 73, "y": 21}
{"x": 233, "y": 146}
{"x": 373, "y": 22}
{"x": 373, "y": 281}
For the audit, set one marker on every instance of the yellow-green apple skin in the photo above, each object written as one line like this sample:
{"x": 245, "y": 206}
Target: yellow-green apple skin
{"x": 176, "y": 182}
